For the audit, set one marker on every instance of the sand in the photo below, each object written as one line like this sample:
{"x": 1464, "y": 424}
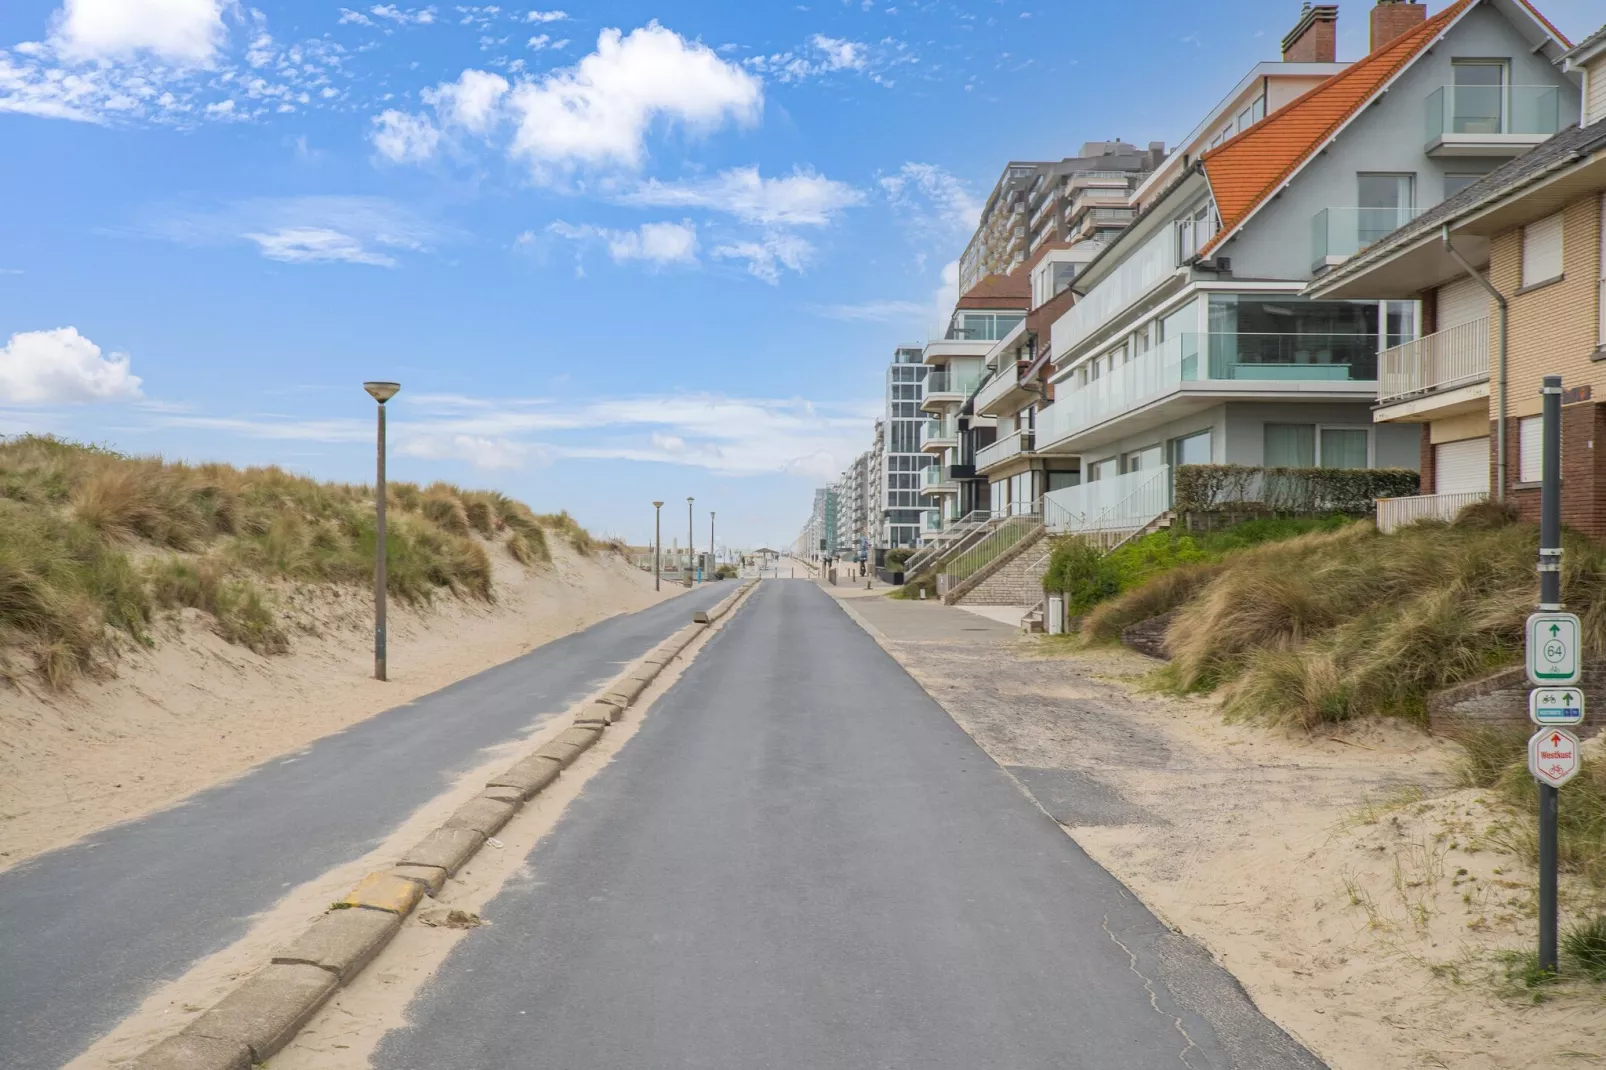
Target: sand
{"x": 195, "y": 710}
{"x": 1365, "y": 901}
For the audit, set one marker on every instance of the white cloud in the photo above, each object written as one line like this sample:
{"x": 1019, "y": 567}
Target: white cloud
{"x": 766, "y": 258}
{"x": 492, "y": 454}
{"x": 546, "y": 16}
{"x": 932, "y": 201}
{"x": 403, "y": 138}
{"x": 307, "y": 245}
{"x": 875, "y": 311}
{"x": 656, "y": 243}
{"x": 821, "y": 55}
{"x": 300, "y": 230}
{"x": 539, "y": 41}
{"x": 419, "y": 16}
{"x": 598, "y": 111}
{"x": 54, "y": 367}
{"x": 839, "y": 55}
{"x": 471, "y": 102}
{"x": 801, "y": 198}
{"x": 181, "y": 31}
{"x": 349, "y": 16}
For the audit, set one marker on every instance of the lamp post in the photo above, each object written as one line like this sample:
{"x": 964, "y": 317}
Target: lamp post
{"x": 691, "y": 544}
{"x": 657, "y": 545}
{"x": 710, "y": 538}
{"x": 380, "y": 392}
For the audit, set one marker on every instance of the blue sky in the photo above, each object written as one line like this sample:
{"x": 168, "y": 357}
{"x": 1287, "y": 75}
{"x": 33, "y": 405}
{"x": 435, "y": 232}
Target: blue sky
{"x": 613, "y": 251}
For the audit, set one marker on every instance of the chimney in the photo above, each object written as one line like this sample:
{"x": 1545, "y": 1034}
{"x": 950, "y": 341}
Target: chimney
{"x": 1391, "y": 18}
{"x": 1314, "y": 38}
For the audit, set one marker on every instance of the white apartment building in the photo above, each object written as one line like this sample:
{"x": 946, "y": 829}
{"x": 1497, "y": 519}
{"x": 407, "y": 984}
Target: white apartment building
{"x": 903, "y": 464}
{"x": 1190, "y": 341}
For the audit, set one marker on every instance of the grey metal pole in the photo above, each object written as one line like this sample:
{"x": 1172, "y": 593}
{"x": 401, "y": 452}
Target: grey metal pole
{"x": 691, "y": 547}
{"x": 710, "y": 538}
{"x": 657, "y": 545}
{"x": 1549, "y": 600}
{"x": 379, "y": 556}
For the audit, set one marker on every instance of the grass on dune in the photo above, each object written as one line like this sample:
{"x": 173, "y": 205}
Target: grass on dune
{"x": 93, "y": 544}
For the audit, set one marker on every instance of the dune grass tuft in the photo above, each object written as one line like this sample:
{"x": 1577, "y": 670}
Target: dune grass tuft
{"x": 74, "y": 519}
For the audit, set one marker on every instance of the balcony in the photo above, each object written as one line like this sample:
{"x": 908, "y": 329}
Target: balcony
{"x": 1340, "y": 233}
{"x": 957, "y": 472}
{"x": 945, "y": 387}
{"x": 938, "y": 435}
{"x": 1423, "y": 374}
{"x": 1101, "y": 178}
{"x": 938, "y": 481}
{"x": 1003, "y": 394}
{"x": 1101, "y": 218}
{"x": 1095, "y": 197}
{"x": 1005, "y": 449}
{"x": 1491, "y": 120}
{"x": 1207, "y": 369}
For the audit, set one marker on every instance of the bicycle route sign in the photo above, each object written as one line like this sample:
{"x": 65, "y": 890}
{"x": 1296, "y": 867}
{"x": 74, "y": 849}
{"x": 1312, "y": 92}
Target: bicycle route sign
{"x": 1556, "y": 706}
{"x": 1553, "y": 649}
{"x": 1553, "y": 756}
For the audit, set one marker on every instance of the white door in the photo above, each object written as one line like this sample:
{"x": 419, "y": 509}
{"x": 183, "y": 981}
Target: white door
{"x": 1461, "y": 302}
{"x": 1461, "y": 467}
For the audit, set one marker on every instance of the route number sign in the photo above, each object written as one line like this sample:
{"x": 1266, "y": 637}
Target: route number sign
{"x": 1553, "y": 649}
{"x": 1553, "y": 756}
{"x": 1556, "y": 706}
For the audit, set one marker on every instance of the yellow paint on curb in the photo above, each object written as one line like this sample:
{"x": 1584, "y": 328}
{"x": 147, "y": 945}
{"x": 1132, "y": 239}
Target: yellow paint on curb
{"x": 384, "y": 891}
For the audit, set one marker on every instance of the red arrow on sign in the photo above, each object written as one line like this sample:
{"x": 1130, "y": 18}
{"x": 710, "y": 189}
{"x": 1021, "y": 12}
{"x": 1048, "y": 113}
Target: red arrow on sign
{"x": 1555, "y": 739}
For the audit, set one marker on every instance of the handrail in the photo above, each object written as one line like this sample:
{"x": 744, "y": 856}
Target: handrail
{"x": 1008, "y": 532}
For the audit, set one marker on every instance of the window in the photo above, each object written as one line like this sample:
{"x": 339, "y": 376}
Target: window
{"x": 1454, "y": 184}
{"x": 1102, "y": 469}
{"x": 1259, "y": 109}
{"x": 1344, "y": 447}
{"x": 1399, "y": 323}
{"x": 1531, "y": 449}
{"x": 1062, "y": 480}
{"x": 1479, "y": 102}
{"x": 1195, "y": 230}
{"x": 1541, "y": 251}
{"x": 1290, "y": 445}
{"x": 1385, "y": 203}
{"x": 1144, "y": 460}
{"x": 1246, "y": 119}
{"x": 1191, "y": 449}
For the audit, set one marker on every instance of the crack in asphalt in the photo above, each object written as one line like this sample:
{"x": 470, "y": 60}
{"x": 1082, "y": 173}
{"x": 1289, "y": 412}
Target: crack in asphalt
{"x": 1154, "y": 997}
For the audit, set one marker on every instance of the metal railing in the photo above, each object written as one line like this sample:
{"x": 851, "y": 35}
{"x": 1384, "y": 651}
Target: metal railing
{"x": 1396, "y": 513}
{"x": 956, "y": 537}
{"x": 1117, "y": 506}
{"x": 1005, "y": 534}
{"x": 1005, "y": 448}
{"x": 1450, "y": 358}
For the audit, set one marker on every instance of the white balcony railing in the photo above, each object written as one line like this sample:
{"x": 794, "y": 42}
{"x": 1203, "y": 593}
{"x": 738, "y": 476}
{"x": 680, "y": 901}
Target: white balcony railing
{"x": 1120, "y": 503}
{"x": 1448, "y": 359}
{"x": 1002, "y": 450}
{"x": 1140, "y": 273}
{"x": 1396, "y": 513}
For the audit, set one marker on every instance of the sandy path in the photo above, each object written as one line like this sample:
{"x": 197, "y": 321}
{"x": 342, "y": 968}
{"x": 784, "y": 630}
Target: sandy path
{"x": 195, "y": 710}
{"x": 1354, "y": 890}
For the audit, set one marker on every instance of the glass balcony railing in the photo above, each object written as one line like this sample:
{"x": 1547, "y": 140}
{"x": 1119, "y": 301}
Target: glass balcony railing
{"x": 1463, "y": 112}
{"x": 1344, "y": 232}
{"x": 938, "y": 431}
{"x": 1191, "y": 358}
{"x": 948, "y": 382}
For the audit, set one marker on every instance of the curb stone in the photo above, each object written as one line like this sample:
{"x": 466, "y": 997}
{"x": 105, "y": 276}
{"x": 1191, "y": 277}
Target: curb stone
{"x": 263, "y": 1013}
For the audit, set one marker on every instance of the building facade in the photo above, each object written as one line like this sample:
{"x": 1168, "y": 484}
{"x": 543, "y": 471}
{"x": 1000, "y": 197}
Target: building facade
{"x": 903, "y": 464}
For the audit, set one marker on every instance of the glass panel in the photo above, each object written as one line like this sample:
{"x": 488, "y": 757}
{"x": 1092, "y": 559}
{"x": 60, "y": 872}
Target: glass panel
{"x": 1385, "y": 202}
{"x": 1478, "y": 103}
{"x": 1290, "y": 445}
{"x": 1195, "y": 449}
{"x": 1343, "y": 447}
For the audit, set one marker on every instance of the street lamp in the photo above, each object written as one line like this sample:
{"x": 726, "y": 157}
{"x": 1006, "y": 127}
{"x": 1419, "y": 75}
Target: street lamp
{"x": 710, "y": 538}
{"x": 380, "y": 392}
{"x": 657, "y": 545}
{"x": 691, "y": 543}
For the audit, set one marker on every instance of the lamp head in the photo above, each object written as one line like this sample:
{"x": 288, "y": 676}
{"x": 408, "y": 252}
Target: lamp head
{"x": 381, "y": 392}
{"x": 657, "y": 505}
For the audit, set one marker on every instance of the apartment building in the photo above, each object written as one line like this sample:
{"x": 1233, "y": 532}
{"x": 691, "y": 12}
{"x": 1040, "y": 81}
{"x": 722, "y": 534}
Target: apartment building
{"x": 1511, "y": 277}
{"x": 988, "y": 312}
{"x": 903, "y": 464}
{"x": 1193, "y": 339}
{"x": 1036, "y": 203}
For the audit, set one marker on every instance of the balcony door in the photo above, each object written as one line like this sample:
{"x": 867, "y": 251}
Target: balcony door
{"x": 1479, "y": 104}
{"x": 1385, "y": 203}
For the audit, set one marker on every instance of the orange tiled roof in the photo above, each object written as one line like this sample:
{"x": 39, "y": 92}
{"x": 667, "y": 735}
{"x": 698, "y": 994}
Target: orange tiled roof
{"x": 1247, "y": 169}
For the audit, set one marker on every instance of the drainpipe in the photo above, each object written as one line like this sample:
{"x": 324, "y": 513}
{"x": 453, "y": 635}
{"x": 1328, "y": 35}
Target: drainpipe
{"x": 1500, "y": 380}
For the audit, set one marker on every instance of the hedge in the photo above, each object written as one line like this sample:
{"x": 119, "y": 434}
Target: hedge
{"x": 1204, "y": 488}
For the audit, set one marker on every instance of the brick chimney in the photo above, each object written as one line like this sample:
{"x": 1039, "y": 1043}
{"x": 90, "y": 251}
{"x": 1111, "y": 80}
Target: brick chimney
{"x": 1391, "y": 18}
{"x": 1314, "y": 39}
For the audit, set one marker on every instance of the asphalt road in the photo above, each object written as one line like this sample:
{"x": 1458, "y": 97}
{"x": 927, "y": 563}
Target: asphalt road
{"x": 87, "y": 931}
{"x": 802, "y": 861}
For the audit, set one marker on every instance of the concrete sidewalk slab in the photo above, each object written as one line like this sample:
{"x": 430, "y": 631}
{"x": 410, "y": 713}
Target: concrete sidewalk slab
{"x": 196, "y": 1053}
{"x": 482, "y": 814}
{"x": 265, "y": 1012}
{"x": 444, "y": 848}
{"x": 384, "y": 891}
{"x": 342, "y": 941}
{"x": 528, "y": 776}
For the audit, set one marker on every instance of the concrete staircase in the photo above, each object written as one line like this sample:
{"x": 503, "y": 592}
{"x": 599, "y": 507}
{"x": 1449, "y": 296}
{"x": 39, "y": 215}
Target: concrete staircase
{"x": 1016, "y": 580}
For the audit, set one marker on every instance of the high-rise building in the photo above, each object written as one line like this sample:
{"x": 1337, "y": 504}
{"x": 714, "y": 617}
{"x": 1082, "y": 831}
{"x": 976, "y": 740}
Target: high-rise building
{"x": 903, "y": 465}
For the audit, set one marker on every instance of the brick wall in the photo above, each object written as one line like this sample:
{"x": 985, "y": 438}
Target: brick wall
{"x": 1425, "y": 464}
{"x": 1583, "y": 469}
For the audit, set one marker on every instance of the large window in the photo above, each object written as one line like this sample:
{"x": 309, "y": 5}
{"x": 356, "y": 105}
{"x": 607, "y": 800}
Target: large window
{"x": 1195, "y": 230}
{"x": 1312, "y": 446}
{"x": 1480, "y": 96}
{"x": 1191, "y": 449}
{"x": 1385, "y": 205}
{"x": 1268, "y": 337}
{"x": 1290, "y": 446}
{"x": 984, "y": 326}
{"x": 1531, "y": 449}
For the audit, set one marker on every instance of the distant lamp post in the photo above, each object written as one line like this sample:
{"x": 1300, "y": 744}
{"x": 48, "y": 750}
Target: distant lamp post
{"x": 657, "y": 545}
{"x": 710, "y": 538}
{"x": 380, "y": 392}
{"x": 691, "y": 545}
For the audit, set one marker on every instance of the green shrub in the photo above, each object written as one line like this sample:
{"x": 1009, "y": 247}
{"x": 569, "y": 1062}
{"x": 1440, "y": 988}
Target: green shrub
{"x": 1204, "y": 488}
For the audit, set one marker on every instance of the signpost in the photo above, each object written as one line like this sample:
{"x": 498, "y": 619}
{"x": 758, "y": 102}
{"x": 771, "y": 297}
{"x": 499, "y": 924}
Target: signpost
{"x": 1553, "y": 757}
{"x": 1553, "y": 660}
{"x": 1549, "y": 706}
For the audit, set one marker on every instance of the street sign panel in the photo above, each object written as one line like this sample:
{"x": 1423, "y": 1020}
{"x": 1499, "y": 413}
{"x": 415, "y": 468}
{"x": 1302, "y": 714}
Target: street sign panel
{"x": 1553, "y": 648}
{"x": 1556, "y": 706}
{"x": 1553, "y": 756}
